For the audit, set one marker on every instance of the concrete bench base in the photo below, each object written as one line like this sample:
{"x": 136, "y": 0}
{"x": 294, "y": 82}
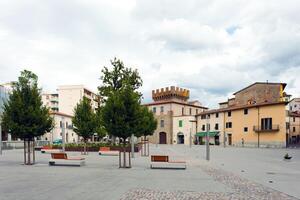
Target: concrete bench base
{"x": 68, "y": 162}
{"x": 168, "y": 165}
{"x": 109, "y": 153}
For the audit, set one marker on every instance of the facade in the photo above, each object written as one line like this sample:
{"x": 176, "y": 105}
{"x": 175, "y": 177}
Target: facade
{"x": 5, "y": 89}
{"x": 175, "y": 116}
{"x": 61, "y": 121}
{"x": 293, "y": 125}
{"x": 70, "y": 96}
{"x": 255, "y": 117}
{"x": 51, "y": 101}
{"x": 294, "y": 105}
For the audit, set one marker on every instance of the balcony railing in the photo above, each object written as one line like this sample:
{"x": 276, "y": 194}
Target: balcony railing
{"x": 272, "y": 128}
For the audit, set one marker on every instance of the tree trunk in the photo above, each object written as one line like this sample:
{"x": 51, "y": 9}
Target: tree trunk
{"x": 33, "y": 151}
{"x": 28, "y": 152}
{"x": 24, "y": 151}
{"x": 124, "y": 153}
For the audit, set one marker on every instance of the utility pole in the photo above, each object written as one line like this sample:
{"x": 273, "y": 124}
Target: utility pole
{"x": 190, "y": 137}
{"x": 63, "y": 137}
{"x": 132, "y": 145}
{"x": 207, "y": 143}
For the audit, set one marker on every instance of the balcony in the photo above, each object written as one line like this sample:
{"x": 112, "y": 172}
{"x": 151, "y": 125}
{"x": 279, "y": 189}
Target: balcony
{"x": 259, "y": 129}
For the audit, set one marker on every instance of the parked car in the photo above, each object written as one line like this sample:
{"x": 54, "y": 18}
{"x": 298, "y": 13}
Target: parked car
{"x": 57, "y": 141}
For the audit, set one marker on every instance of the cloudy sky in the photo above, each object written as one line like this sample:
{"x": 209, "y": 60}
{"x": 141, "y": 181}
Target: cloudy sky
{"x": 214, "y": 48}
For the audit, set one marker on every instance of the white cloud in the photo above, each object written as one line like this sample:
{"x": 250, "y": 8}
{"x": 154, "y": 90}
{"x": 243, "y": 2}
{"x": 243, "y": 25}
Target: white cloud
{"x": 212, "y": 47}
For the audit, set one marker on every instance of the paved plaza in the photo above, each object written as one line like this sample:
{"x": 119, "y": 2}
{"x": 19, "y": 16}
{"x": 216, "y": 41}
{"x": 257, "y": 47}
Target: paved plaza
{"x": 232, "y": 173}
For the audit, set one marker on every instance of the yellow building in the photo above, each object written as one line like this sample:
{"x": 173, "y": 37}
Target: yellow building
{"x": 255, "y": 117}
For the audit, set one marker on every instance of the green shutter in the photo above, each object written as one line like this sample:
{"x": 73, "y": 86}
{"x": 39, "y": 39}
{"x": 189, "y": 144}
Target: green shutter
{"x": 180, "y": 123}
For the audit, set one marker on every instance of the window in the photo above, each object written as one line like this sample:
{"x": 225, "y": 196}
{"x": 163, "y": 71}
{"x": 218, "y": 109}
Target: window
{"x": 208, "y": 116}
{"x": 60, "y": 124}
{"x": 196, "y": 111}
{"x": 245, "y": 111}
{"x": 190, "y": 111}
{"x": 245, "y": 129}
{"x": 162, "y": 109}
{"x": 154, "y": 109}
{"x": 217, "y": 115}
{"x": 208, "y": 127}
{"x": 203, "y": 127}
{"x": 229, "y": 114}
{"x": 216, "y": 126}
{"x": 182, "y": 111}
{"x": 294, "y": 119}
{"x": 66, "y": 124}
{"x": 294, "y": 129}
{"x": 228, "y": 124}
{"x": 266, "y": 123}
{"x": 162, "y": 123}
{"x": 203, "y": 116}
{"x": 60, "y": 133}
{"x": 180, "y": 123}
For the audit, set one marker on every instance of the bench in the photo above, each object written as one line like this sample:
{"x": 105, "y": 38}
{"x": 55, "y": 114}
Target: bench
{"x": 63, "y": 159}
{"x": 105, "y": 151}
{"x": 48, "y": 150}
{"x": 163, "y": 162}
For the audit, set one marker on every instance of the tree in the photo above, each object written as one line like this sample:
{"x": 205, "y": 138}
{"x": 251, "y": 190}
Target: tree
{"x": 24, "y": 115}
{"x": 121, "y": 115}
{"x": 100, "y": 128}
{"x": 117, "y": 78}
{"x": 147, "y": 126}
{"x": 84, "y": 121}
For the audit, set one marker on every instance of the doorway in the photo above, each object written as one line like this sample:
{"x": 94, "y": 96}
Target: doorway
{"x": 180, "y": 138}
{"x": 162, "y": 138}
{"x": 229, "y": 139}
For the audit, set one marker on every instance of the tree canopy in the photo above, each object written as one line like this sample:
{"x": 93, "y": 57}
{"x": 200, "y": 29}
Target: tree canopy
{"x": 84, "y": 119}
{"x": 118, "y": 78}
{"x": 24, "y": 115}
{"x": 121, "y": 112}
{"x": 147, "y": 122}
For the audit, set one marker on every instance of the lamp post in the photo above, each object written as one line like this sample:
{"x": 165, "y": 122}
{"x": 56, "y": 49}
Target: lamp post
{"x": 0, "y": 137}
{"x": 132, "y": 145}
{"x": 207, "y": 140}
{"x": 191, "y": 131}
{"x": 63, "y": 133}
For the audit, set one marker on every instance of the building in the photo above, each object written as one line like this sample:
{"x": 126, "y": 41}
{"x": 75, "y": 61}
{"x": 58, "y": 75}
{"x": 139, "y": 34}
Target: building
{"x": 62, "y": 121}
{"x": 175, "y": 116}
{"x": 5, "y": 89}
{"x": 293, "y": 126}
{"x": 51, "y": 101}
{"x": 71, "y": 95}
{"x": 294, "y": 105}
{"x": 255, "y": 117}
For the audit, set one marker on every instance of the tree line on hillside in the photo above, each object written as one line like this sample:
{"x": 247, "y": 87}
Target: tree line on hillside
{"x": 119, "y": 113}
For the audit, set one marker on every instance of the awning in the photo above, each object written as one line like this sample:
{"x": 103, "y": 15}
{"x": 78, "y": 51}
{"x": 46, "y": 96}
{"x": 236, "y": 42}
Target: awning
{"x": 210, "y": 133}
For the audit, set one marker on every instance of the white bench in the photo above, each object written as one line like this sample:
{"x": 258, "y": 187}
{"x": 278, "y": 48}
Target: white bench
{"x": 49, "y": 150}
{"x": 162, "y": 162}
{"x": 63, "y": 159}
{"x": 105, "y": 151}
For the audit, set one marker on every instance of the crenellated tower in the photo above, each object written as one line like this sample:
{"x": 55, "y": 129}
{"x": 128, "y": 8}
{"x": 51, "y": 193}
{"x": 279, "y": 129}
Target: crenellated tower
{"x": 171, "y": 93}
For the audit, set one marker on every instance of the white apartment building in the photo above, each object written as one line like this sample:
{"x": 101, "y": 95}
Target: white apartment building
{"x": 61, "y": 121}
{"x": 51, "y": 101}
{"x": 71, "y": 95}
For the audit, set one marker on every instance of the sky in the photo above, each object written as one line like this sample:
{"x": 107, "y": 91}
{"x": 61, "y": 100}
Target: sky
{"x": 211, "y": 47}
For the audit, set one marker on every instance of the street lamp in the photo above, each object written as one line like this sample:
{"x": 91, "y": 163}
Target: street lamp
{"x": 191, "y": 131}
{"x": 63, "y": 133}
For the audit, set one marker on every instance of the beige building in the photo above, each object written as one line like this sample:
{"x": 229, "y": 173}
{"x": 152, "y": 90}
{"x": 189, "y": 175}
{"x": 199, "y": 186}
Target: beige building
{"x": 51, "y": 101}
{"x": 71, "y": 95}
{"x": 175, "y": 116}
{"x": 294, "y": 105}
{"x": 62, "y": 121}
{"x": 255, "y": 117}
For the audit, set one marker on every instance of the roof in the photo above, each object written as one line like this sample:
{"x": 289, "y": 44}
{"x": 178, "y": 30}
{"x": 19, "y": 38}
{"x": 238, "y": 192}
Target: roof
{"x": 294, "y": 114}
{"x": 60, "y": 113}
{"x": 266, "y": 83}
{"x": 176, "y": 102}
{"x": 240, "y": 107}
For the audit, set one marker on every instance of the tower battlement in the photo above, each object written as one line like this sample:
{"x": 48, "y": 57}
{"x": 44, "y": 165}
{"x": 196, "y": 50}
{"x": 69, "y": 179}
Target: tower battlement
{"x": 170, "y": 93}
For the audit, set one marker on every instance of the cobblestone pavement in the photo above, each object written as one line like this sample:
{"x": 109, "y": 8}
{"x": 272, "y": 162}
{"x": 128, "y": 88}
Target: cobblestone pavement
{"x": 243, "y": 189}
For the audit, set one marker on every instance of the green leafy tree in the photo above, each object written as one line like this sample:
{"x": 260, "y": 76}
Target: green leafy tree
{"x": 147, "y": 122}
{"x": 84, "y": 121}
{"x": 24, "y": 115}
{"x": 121, "y": 115}
{"x": 117, "y": 78}
{"x": 100, "y": 128}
